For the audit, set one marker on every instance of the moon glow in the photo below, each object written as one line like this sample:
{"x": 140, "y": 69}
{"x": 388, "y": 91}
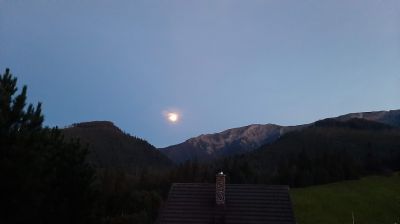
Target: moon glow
{"x": 173, "y": 117}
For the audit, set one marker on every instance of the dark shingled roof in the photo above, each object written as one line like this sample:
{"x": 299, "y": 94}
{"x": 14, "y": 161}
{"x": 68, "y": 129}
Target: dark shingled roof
{"x": 245, "y": 203}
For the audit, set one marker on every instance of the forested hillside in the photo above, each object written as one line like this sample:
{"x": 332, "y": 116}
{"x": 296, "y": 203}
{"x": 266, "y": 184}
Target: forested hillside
{"x": 328, "y": 151}
{"x": 109, "y": 147}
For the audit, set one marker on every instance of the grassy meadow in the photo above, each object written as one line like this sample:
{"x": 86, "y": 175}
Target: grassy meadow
{"x": 372, "y": 200}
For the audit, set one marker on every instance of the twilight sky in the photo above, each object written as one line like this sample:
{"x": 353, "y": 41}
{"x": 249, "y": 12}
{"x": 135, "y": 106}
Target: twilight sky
{"x": 219, "y": 63}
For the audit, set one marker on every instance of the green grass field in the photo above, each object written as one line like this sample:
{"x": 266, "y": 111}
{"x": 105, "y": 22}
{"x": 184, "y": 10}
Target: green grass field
{"x": 372, "y": 200}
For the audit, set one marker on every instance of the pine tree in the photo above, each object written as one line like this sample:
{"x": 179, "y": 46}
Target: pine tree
{"x": 44, "y": 179}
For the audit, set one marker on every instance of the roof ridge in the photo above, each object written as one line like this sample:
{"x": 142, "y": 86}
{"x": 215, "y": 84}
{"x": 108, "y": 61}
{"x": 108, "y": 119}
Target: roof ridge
{"x": 245, "y": 203}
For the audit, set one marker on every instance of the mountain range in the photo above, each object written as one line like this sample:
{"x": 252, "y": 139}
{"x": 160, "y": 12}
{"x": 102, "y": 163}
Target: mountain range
{"x": 111, "y": 147}
{"x": 248, "y": 138}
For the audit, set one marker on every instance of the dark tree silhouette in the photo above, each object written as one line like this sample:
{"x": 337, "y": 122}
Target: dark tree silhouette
{"x": 44, "y": 179}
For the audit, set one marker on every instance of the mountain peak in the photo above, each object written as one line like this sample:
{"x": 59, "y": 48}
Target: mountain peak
{"x": 89, "y": 124}
{"x": 99, "y": 125}
{"x": 111, "y": 147}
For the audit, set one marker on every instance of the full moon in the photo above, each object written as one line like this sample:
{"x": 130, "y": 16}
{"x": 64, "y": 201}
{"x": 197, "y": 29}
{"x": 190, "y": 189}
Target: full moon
{"x": 173, "y": 117}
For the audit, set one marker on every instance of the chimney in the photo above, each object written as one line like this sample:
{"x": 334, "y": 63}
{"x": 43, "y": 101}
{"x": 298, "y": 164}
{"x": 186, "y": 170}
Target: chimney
{"x": 220, "y": 189}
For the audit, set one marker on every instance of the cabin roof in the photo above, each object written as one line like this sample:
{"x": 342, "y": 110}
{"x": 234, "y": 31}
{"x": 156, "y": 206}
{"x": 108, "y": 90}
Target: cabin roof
{"x": 244, "y": 203}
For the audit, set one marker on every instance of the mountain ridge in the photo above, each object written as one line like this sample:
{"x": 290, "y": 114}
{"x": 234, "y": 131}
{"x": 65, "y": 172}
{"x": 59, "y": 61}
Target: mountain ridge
{"x": 247, "y": 138}
{"x": 110, "y": 147}
{"x": 231, "y": 141}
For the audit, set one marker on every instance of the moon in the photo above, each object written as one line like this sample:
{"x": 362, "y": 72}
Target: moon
{"x": 173, "y": 117}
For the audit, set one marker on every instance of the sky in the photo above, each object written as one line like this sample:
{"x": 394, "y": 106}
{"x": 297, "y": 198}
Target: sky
{"x": 219, "y": 64}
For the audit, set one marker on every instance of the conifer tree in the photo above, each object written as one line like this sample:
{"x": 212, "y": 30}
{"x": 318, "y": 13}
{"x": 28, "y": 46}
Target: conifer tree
{"x": 44, "y": 179}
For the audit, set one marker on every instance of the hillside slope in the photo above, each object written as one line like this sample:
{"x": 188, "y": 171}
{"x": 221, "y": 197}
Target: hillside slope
{"x": 391, "y": 117}
{"x": 325, "y": 152}
{"x": 232, "y": 141}
{"x": 356, "y": 137}
{"x": 110, "y": 147}
{"x": 372, "y": 200}
{"x": 248, "y": 138}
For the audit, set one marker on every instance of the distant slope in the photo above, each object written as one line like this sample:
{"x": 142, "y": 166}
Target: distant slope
{"x": 373, "y": 200}
{"x": 328, "y": 151}
{"x": 229, "y": 142}
{"x": 356, "y": 136}
{"x": 391, "y": 117}
{"x": 331, "y": 134}
{"x": 110, "y": 147}
{"x": 246, "y": 139}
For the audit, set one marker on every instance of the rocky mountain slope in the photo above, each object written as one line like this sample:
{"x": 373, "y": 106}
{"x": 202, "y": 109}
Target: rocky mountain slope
{"x": 112, "y": 148}
{"x": 232, "y": 141}
{"x": 247, "y": 138}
